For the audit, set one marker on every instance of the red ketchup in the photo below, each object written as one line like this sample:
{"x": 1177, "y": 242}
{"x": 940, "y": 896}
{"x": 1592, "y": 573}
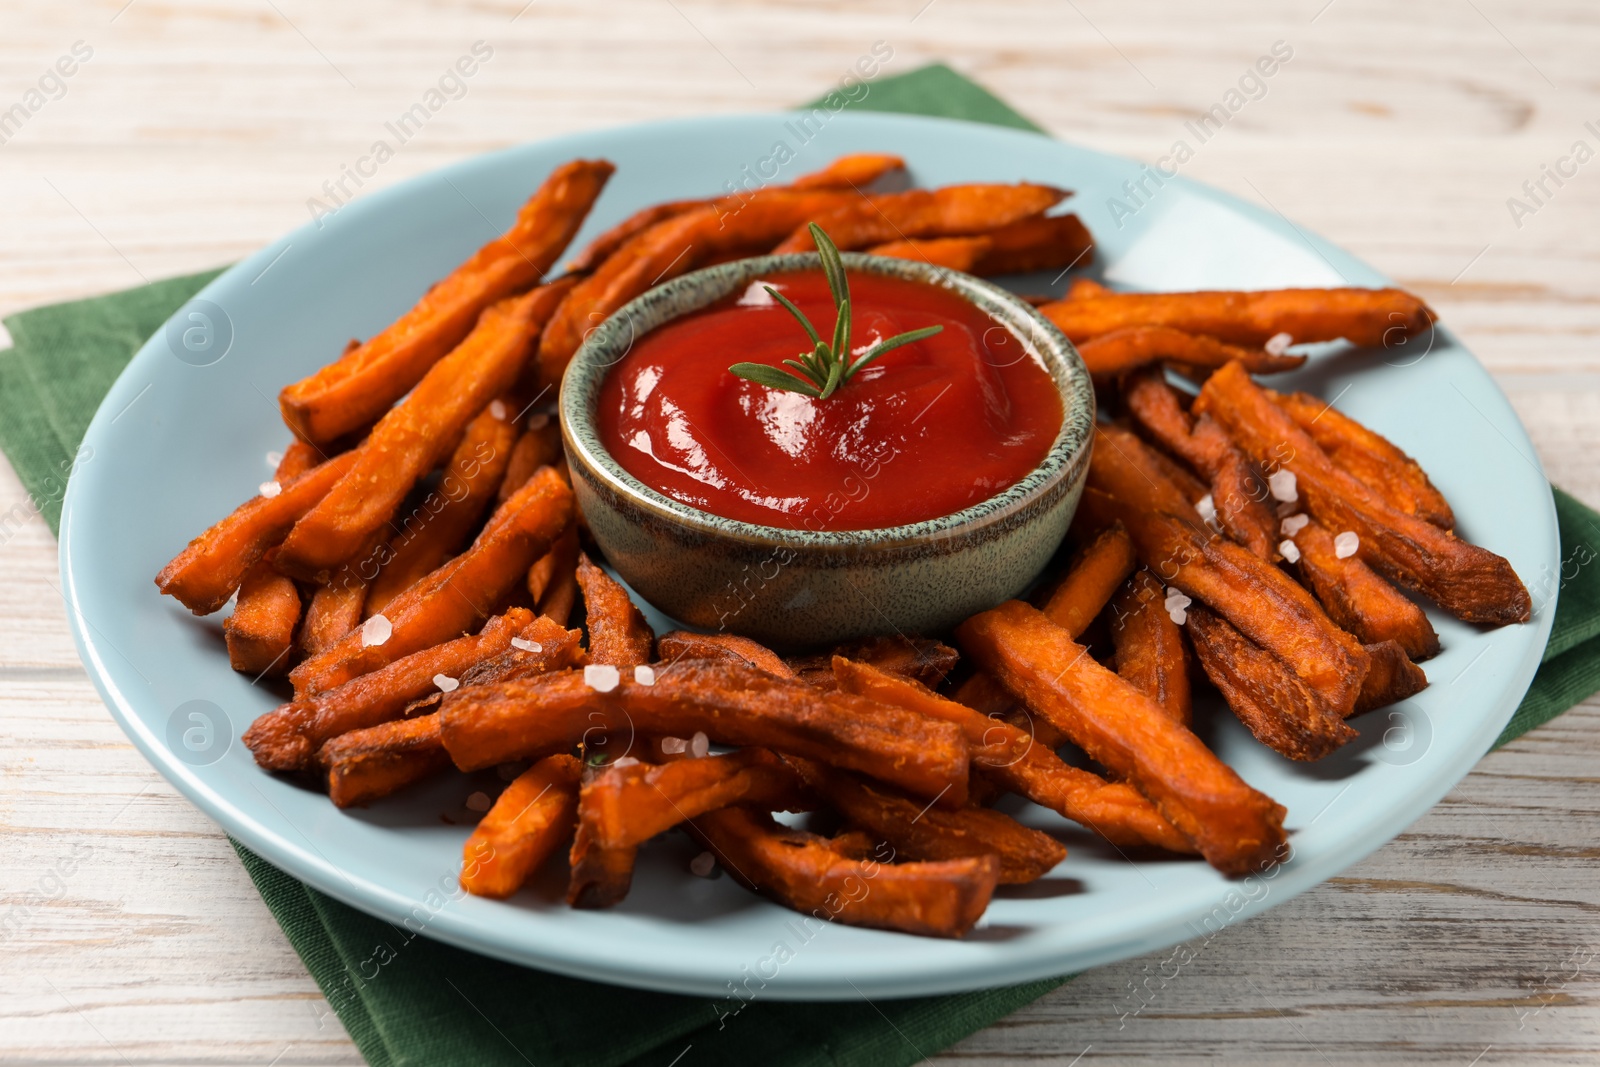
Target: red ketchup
{"x": 924, "y": 431}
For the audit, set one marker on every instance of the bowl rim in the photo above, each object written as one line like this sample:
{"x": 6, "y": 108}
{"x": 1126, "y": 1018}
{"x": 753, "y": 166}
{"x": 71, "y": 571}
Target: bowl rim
{"x": 695, "y": 290}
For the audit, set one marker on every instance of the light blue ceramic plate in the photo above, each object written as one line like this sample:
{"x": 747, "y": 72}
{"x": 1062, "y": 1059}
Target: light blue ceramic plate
{"x": 183, "y": 436}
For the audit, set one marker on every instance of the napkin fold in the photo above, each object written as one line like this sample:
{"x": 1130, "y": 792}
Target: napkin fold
{"x": 406, "y": 999}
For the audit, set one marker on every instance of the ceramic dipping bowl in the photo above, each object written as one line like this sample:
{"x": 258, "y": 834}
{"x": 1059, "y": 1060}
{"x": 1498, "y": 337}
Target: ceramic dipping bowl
{"x": 793, "y": 589}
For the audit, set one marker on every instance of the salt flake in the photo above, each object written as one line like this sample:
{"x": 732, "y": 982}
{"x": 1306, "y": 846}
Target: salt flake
{"x": 626, "y": 761}
{"x": 478, "y": 802}
{"x": 273, "y": 459}
{"x": 1177, "y": 606}
{"x": 1294, "y": 524}
{"x": 644, "y": 675}
{"x": 1207, "y": 507}
{"x": 1346, "y": 544}
{"x": 674, "y": 745}
{"x": 376, "y": 630}
{"x": 526, "y": 645}
{"x": 1278, "y": 344}
{"x": 539, "y": 421}
{"x": 703, "y": 864}
{"x": 1284, "y": 486}
{"x": 498, "y": 409}
{"x": 601, "y": 677}
{"x": 446, "y": 683}
{"x": 1290, "y": 551}
{"x": 270, "y": 489}
{"x": 699, "y": 745}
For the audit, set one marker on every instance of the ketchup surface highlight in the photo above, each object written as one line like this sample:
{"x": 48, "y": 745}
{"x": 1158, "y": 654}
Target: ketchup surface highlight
{"x": 924, "y": 431}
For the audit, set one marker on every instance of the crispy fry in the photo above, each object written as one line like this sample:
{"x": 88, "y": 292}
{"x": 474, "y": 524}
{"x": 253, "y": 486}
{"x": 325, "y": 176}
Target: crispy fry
{"x": 952, "y": 211}
{"x": 1470, "y": 582}
{"x": 956, "y": 253}
{"x": 668, "y": 249}
{"x": 539, "y": 446}
{"x": 1264, "y": 603}
{"x": 1017, "y": 762}
{"x": 356, "y": 389}
{"x": 1025, "y": 855}
{"x": 983, "y": 694}
{"x": 846, "y": 172}
{"x": 1043, "y": 242}
{"x": 334, "y": 611}
{"x": 364, "y": 765}
{"x": 409, "y": 441}
{"x": 600, "y": 876}
{"x": 555, "y": 575}
{"x": 1370, "y": 458}
{"x": 618, "y": 633}
{"x": 456, "y": 597}
{"x": 537, "y": 811}
{"x": 626, "y": 804}
{"x": 1237, "y": 494}
{"x": 1151, "y": 653}
{"x": 802, "y": 871}
{"x": 205, "y": 574}
{"x": 919, "y": 658}
{"x": 1281, "y": 710}
{"x": 681, "y": 644}
{"x": 260, "y": 632}
{"x": 1123, "y": 349}
{"x": 443, "y": 523}
{"x": 287, "y": 738}
{"x": 1094, "y": 575}
{"x": 1356, "y": 598}
{"x": 1237, "y": 829}
{"x": 1361, "y": 316}
{"x": 1393, "y": 677}
{"x": 732, "y": 705}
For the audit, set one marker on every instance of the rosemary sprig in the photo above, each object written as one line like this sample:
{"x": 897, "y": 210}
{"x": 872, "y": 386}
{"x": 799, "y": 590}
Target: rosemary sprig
{"x": 819, "y": 372}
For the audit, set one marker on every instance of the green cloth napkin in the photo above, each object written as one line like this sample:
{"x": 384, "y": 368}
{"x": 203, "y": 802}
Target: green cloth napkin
{"x": 405, "y": 999}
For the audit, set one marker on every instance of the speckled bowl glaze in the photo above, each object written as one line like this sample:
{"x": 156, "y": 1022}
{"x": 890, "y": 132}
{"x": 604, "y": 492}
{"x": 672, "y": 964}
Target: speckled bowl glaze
{"x": 797, "y": 588}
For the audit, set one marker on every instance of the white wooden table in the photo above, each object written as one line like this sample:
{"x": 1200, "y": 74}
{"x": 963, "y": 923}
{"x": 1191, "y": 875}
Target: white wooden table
{"x": 195, "y": 132}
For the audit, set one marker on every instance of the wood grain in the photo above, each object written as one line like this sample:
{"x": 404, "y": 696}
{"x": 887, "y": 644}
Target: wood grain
{"x": 197, "y": 132}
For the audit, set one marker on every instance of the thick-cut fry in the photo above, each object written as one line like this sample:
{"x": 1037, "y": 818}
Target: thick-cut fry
{"x": 1044, "y": 242}
{"x": 618, "y": 634}
{"x": 1360, "y": 601}
{"x": 356, "y": 389}
{"x": 528, "y": 822}
{"x": 1393, "y": 677}
{"x": 205, "y": 574}
{"x": 600, "y": 876}
{"x": 364, "y": 765}
{"x": 956, "y": 253}
{"x": 681, "y": 645}
{"x": 1265, "y": 604}
{"x": 1123, "y": 349}
{"x": 260, "y": 632}
{"x": 951, "y": 211}
{"x": 1151, "y": 653}
{"x": 1015, "y": 761}
{"x": 438, "y": 528}
{"x": 533, "y": 717}
{"x": 287, "y": 738}
{"x": 1025, "y": 855}
{"x": 555, "y": 576}
{"x": 1094, "y": 575}
{"x": 335, "y": 610}
{"x": 456, "y": 597}
{"x": 919, "y": 658}
{"x": 846, "y": 172}
{"x": 1237, "y": 829}
{"x": 539, "y": 446}
{"x": 1369, "y": 317}
{"x": 624, "y": 805}
{"x": 983, "y": 694}
{"x": 670, "y": 248}
{"x": 802, "y": 871}
{"x": 410, "y": 440}
{"x": 1370, "y": 458}
{"x": 1281, "y": 710}
{"x": 1470, "y": 582}
{"x": 1237, "y": 493}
